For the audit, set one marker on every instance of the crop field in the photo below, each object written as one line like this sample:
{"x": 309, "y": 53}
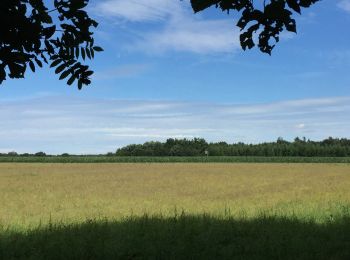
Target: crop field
{"x": 174, "y": 211}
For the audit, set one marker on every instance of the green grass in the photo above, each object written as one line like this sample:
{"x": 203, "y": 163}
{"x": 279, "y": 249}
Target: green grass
{"x": 170, "y": 159}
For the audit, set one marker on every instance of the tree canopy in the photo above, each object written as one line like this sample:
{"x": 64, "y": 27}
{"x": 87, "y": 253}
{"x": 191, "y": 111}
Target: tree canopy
{"x": 267, "y": 18}
{"x": 31, "y": 34}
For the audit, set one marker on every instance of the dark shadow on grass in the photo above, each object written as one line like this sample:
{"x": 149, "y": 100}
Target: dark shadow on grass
{"x": 184, "y": 237}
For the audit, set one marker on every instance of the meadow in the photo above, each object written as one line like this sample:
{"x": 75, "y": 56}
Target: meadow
{"x": 174, "y": 210}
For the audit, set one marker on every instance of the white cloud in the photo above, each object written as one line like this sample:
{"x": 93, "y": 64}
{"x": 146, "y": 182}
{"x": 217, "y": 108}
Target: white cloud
{"x": 62, "y": 124}
{"x": 345, "y": 5}
{"x": 138, "y": 10}
{"x": 173, "y": 27}
{"x": 300, "y": 126}
{"x": 197, "y": 36}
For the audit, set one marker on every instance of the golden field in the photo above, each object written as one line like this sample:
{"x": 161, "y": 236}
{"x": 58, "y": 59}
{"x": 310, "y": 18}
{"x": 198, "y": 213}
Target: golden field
{"x": 34, "y": 193}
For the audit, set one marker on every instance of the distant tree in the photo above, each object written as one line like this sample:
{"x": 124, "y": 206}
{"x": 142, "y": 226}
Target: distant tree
{"x": 266, "y": 18}
{"x": 297, "y": 140}
{"x": 41, "y": 154}
{"x": 65, "y": 155}
{"x": 30, "y": 36}
{"x": 280, "y": 140}
{"x": 177, "y": 150}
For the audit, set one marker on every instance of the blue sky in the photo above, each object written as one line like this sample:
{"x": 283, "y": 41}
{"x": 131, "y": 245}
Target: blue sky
{"x": 167, "y": 72}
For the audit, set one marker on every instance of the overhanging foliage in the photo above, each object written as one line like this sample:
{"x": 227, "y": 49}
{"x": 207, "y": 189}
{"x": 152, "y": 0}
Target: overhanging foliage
{"x": 30, "y": 36}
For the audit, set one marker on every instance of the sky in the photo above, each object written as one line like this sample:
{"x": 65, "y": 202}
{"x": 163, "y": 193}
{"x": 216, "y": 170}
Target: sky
{"x": 169, "y": 73}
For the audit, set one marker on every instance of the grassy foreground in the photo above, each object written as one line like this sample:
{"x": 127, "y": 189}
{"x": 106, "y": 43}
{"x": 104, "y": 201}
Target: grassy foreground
{"x": 174, "y": 211}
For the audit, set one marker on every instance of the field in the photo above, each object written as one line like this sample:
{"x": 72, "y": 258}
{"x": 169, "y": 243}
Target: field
{"x": 174, "y": 210}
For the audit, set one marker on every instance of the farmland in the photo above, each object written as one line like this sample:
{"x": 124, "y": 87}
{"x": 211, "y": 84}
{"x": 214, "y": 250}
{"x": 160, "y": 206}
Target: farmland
{"x": 129, "y": 205}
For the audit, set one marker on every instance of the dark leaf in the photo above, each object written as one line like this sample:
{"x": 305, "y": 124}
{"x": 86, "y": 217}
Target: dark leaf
{"x": 40, "y": 64}
{"x": 307, "y": 3}
{"x": 80, "y": 84}
{"x": 60, "y": 68}
{"x": 97, "y": 48}
{"x": 291, "y": 26}
{"x": 294, "y": 5}
{"x": 2, "y": 73}
{"x": 55, "y": 63}
{"x": 199, "y": 5}
{"x": 31, "y": 65}
{"x": 88, "y": 73}
{"x": 65, "y": 74}
{"x": 77, "y": 52}
{"x": 83, "y": 53}
{"x": 71, "y": 80}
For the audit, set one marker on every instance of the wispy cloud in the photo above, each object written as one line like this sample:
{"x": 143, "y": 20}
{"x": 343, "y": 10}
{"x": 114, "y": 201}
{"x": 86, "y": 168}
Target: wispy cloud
{"x": 300, "y": 126}
{"x": 191, "y": 35}
{"x": 61, "y": 124}
{"x": 138, "y": 10}
{"x": 174, "y": 27}
{"x": 345, "y": 5}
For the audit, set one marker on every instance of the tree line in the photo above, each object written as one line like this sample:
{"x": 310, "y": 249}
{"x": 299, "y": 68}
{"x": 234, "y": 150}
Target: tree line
{"x": 299, "y": 147}
{"x": 330, "y": 147}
